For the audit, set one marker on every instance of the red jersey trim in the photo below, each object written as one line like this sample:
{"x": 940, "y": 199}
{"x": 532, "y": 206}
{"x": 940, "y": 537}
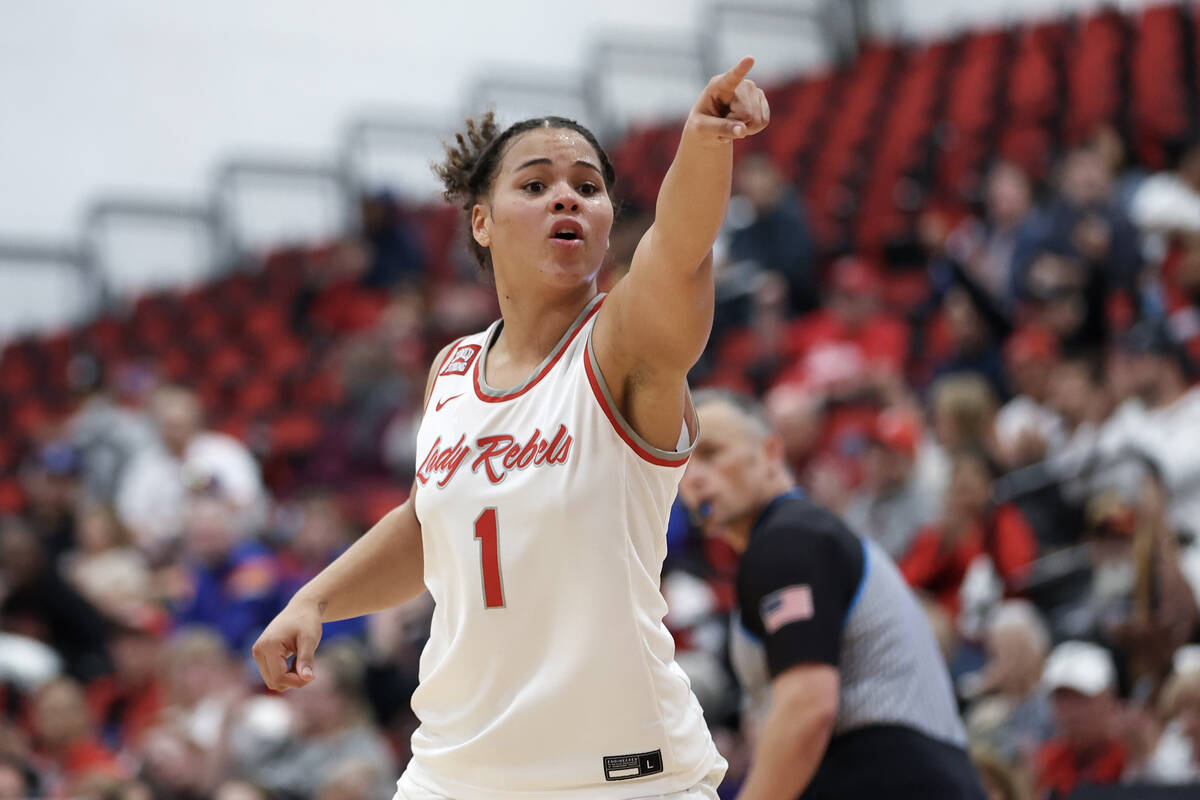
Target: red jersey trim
{"x": 492, "y": 396}
{"x": 438, "y": 372}
{"x": 645, "y": 450}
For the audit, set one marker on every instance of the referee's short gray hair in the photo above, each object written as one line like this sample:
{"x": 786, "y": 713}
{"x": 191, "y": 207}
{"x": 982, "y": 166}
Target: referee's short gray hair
{"x": 747, "y": 407}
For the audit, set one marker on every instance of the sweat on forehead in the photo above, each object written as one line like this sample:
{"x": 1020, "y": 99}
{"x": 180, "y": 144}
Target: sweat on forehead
{"x": 549, "y": 143}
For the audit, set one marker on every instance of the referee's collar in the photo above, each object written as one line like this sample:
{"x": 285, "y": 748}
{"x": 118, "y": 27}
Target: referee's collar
{"x": 795, "y": 493}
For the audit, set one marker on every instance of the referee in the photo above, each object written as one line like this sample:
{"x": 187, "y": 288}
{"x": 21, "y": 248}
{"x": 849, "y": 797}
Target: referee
{"x": 844, "y": 681}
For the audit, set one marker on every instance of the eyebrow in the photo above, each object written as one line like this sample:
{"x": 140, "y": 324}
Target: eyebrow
{"x": 536, "y": 161}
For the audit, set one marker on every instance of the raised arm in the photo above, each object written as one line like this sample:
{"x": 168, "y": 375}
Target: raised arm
{"x": 656, "y": 321}
{"x": 384, "y": 568}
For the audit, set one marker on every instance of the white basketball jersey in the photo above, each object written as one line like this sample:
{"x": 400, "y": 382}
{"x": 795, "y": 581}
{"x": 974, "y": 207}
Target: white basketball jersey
{"x": 548, "y": 672}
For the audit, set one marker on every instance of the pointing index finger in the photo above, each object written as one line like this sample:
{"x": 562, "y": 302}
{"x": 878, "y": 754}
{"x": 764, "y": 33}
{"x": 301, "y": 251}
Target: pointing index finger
{"x": 727, "y": 84}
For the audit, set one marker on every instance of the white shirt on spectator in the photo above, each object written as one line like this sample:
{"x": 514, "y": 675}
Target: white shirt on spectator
{"x": 1169, "y": 435}
{"x": 150, "y": 499}
{"x": 1024, "y": 413}
{"x": 1171, "y": 762}
{"x": 1165, "y": 203}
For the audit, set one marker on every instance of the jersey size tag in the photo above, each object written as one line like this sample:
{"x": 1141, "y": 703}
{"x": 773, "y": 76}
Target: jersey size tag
{"x": 460, "y": 361}
{"x": 636, "y": 765}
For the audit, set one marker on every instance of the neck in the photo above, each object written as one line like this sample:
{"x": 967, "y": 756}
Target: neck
{"x": 739, "y": 531}
{"x": 535, "y": 320}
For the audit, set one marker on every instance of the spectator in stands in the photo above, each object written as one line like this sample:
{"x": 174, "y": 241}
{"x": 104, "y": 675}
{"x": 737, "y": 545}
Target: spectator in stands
{"x": 845, "y": 357}
{"x": 173, "y": 766}
{"x": 1081, "y": 680}
{"x": 323, "y": 533}
{"x": 984, "y": 246}
{"x": 1169, "y": 202}
{"x": 242, "y": 790}
{"x": 205, "y": 687}
{"x": 1079, "y": 397}
{"x": 1164, "y": 412}
{"x": 18, "y": 780}
{"x": 150, "y": 500}
{"x": 892, "y": 507}
{"x": 975, "y": 331}
{"x": 750, "y": 358}
{"x": 333, "y": 729}
{"x": 852, "y": 328}
{"x": 1176, "y": 754}
{"x": 1026, "y": 427}
{"x": 106, "y": 434}
{"x": 1001, "y": 780}
{"x": 38, "y": 603}
{"x": 1140, "y": 603}
{"x": 1181, "y": 275}
{"x": 1082, "y": 217}
{"x": 66, "y": 743}
{"x": 1125, "y": 175}
{"x": 775, "y": 236}
{"x": 231, "y": 583}
{"x": 352, "y": 781}
{"x": 107, "y": 570}
{"x": 970, "y": 527}
{"x": 1012, "y": 715}
{"x": 395, "y": 254}
{"x": 129, "y": 701}
{"x": 51, "y": 480}
{"x": 964, "y": 412}
{"x": 795, "y": 416}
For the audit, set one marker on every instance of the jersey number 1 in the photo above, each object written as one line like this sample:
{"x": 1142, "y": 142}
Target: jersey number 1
{"x": 489, "y": 555}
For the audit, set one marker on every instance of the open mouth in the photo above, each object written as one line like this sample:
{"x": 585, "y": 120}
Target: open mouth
{"x": 567, "y": 230}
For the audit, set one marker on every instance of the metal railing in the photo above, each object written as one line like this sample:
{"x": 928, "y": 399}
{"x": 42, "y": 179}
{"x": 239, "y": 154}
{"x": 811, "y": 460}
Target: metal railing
{"x": 630, "y": 76}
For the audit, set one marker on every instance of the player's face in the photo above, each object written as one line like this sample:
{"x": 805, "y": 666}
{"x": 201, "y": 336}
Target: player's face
{"x": 549, "y": 214}
{"x": 728, "y": 470}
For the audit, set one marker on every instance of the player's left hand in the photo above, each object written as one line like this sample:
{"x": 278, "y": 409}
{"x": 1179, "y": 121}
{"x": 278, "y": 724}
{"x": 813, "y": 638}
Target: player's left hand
{"x": 730, "y": 107}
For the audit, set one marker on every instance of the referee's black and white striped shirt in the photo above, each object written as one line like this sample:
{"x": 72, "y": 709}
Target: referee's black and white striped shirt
{"x": 810, "y": 590}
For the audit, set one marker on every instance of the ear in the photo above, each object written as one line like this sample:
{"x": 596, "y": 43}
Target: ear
{"x": 773, "y": 445}
{"x": 481, "y": 224}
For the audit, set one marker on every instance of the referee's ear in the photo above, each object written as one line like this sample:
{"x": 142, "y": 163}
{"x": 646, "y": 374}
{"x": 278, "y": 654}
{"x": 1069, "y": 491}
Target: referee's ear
{"x": 774, "y": 449}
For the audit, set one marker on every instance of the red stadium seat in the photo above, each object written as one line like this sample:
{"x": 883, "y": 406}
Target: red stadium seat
{"x": 322, "y": 390}
{"x": 1034, "y": 81}
{"x": 227, "y": 362}
{"x": 1158, "y": 83}
{"x": 176, "y": 364}
{"x": 12, "y": 497}
{"x": 256, "y": 396}
{"x": 17, "y": 375}
{"x": 293, "y": 433}
{"x": 1093, "y": 75}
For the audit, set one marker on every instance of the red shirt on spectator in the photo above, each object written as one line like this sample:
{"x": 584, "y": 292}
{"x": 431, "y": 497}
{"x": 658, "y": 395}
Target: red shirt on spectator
{"x": 881, "y": 340}
{"x": 1060, "y": 768}
{"x": 939, "y": 568}
{"x": 130, "y": 709}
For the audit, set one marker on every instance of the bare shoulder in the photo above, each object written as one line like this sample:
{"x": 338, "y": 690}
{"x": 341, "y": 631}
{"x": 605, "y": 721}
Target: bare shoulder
{"x": 440, "y": 359}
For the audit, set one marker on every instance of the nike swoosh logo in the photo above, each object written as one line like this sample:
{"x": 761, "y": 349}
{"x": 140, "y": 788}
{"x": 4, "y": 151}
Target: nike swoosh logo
{"x": 443, "y": 402}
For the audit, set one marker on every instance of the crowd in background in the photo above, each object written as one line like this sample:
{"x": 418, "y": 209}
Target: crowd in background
{"x": 1014, "y": 418}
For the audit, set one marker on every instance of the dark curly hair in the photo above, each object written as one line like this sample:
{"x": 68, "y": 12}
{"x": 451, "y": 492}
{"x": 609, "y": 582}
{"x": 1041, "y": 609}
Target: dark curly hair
{"x": 473, "y": 159}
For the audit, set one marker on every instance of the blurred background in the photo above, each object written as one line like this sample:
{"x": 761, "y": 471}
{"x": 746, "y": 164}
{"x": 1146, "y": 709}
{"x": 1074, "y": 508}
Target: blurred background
{"x": 961, "y": 269}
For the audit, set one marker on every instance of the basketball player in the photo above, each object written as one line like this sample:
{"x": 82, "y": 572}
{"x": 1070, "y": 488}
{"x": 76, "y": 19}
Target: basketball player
{"x": 548, "y": 457}
{"x": 846, "y": 688}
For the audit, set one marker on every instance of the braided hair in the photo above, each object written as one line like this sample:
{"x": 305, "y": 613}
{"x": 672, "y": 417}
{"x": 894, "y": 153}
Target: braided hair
{"x": 473, "y": 159}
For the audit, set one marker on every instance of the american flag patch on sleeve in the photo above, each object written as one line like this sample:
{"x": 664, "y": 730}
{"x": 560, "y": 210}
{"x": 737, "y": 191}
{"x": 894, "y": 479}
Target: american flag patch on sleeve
{"x": 786, "y": 605}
